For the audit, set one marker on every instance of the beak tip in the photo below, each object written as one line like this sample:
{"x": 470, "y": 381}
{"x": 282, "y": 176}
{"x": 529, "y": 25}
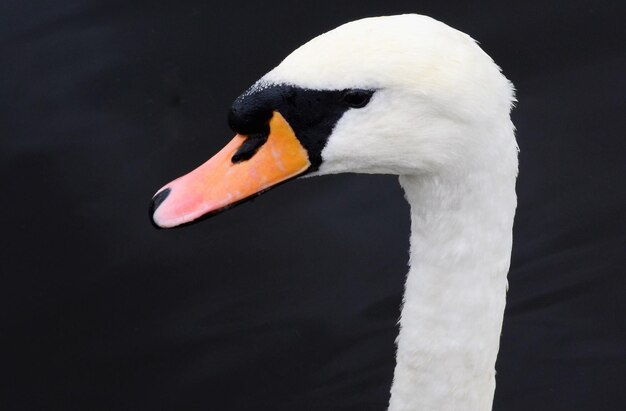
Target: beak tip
{"x": 157, "y": 200}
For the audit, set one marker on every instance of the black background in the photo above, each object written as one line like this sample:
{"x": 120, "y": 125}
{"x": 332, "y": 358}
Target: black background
{"x": 289, "y": 302}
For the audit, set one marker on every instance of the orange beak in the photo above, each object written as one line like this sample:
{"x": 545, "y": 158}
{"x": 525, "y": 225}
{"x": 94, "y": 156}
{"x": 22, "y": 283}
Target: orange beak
{"x": 221, "y": 183}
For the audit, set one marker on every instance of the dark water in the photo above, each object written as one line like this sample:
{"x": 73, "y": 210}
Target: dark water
{"x": 290, "y": 302}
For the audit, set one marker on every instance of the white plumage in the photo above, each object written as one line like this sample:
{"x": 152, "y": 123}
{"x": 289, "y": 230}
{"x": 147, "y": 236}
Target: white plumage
{"x": 437, "y": 115}
{"x": 440, "y": 120}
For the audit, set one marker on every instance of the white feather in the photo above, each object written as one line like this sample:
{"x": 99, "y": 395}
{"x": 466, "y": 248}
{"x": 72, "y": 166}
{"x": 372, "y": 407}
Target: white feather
{"x": 440, "y": 120}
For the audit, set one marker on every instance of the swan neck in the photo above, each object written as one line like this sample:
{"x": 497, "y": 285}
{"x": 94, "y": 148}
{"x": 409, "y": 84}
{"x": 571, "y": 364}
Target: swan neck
{"x": 455, "y": 291}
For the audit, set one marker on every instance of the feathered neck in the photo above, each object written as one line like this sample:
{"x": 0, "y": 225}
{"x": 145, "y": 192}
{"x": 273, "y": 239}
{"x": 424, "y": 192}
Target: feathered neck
{"x": 461, "y": 237}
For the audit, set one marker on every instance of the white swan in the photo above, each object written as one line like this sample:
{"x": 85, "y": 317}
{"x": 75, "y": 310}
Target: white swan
{"x": 404, "y": 95}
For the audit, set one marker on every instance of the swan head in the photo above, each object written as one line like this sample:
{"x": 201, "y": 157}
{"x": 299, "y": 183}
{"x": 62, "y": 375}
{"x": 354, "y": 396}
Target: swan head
{"x": 403, "y": 95}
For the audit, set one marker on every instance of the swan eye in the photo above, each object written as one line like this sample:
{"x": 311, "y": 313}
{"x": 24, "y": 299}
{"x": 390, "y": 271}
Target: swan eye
{"x": 357, "y": 98}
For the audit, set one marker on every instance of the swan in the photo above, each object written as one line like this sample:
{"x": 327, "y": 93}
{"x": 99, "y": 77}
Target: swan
{"x": 404, "y": 95}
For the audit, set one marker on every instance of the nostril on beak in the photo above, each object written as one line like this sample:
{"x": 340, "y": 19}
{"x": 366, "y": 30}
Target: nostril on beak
{"x": 156, "y": 202}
